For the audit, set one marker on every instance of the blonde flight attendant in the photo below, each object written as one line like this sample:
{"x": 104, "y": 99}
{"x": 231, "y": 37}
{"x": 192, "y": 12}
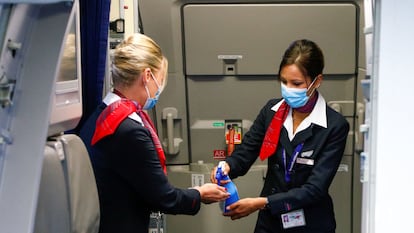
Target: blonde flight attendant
{"x": 126, "y": 154}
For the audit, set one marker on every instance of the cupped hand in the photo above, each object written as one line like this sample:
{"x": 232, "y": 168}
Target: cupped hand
{"x": 212, "y": 193}
{"x": 245, "y": 207}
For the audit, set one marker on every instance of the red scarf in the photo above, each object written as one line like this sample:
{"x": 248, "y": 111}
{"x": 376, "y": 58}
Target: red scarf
{"x": 110, "y": 118}
{"x": 271, "y": 138}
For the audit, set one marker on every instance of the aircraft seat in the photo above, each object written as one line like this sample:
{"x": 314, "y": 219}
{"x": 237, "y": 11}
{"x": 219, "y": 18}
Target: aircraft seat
{"x": 83, "y": 193}
{"x": 68, "y": 197}
{"x": 52, "y": 214}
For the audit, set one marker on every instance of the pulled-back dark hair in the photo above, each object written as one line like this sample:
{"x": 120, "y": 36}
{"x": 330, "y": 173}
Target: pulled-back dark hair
{"x": 306, "y": 55}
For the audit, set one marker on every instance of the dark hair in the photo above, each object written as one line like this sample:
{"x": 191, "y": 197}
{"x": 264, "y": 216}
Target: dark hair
{"x": 306, "y": 55}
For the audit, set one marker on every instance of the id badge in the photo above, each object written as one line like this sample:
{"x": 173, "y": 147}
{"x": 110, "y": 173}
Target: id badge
{"x": 156, "y": 224}
{"x": 293, "y": 219}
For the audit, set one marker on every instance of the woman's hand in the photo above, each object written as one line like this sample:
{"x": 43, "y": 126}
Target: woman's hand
{"x": 244, "y": 207}
{"x": 225, "y": 172}
{"x": 212, "y": 193}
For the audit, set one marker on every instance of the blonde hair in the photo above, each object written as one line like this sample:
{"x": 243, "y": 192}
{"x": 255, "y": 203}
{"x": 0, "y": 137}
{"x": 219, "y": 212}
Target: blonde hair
{"x": 133, "y": 56}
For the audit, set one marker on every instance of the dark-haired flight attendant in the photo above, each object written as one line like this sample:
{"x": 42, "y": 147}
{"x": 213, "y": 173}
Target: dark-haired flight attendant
{"x": 303, "y": 140}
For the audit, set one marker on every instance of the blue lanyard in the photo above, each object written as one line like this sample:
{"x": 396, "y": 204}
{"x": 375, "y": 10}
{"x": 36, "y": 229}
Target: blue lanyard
{"x": 289, "y": 167}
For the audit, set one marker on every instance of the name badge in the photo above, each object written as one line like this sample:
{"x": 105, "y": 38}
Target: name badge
{"x": 305, "y": 161}
{"x": 293, "y": 219}
{"x": 308, "y": 153}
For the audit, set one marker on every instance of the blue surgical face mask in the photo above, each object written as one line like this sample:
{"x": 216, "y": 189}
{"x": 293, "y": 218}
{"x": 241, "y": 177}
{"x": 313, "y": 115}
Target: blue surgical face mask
{"x": 296, "y": 97}
{"x": 151, "y": 102}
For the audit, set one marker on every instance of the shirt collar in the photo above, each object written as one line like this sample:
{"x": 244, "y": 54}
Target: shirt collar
{"x": 318, "y": 114}
{"x": 112, "y": 97}
{"x": 317, "y": 117}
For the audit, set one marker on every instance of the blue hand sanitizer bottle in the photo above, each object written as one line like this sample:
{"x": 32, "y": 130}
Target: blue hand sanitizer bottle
{"x": 230, "y": 186}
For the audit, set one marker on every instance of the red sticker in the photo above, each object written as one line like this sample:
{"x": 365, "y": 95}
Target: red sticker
{"x": 219, "y": 154}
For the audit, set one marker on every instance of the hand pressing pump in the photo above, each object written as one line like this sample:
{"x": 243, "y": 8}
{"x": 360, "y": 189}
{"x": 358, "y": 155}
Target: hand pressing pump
{"x": 228, "y": 184}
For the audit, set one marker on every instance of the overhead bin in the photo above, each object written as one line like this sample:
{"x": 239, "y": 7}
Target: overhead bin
{"x": 250, "y": 39}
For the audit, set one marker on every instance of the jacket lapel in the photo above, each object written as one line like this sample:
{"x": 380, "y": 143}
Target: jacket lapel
{"x": 285, "y": 142}
{"x": 302, "y": 136}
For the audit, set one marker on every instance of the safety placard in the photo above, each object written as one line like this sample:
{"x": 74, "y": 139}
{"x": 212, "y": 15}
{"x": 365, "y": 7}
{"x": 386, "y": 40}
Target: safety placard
{"x": 197, "y": 179}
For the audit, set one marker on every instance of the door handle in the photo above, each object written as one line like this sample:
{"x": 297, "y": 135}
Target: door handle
{"x": 171, "y": 143}
{"x": 359, "y": 137}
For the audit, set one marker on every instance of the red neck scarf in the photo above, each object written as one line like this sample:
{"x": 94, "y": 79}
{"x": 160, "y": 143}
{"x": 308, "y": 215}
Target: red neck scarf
{"x": 110, "y": 118}
{"x": 271, "y": 138}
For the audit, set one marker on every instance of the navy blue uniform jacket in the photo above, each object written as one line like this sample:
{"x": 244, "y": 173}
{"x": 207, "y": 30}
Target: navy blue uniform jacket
{"x": 130, "y": 180}
{"x": 308, "y": 189}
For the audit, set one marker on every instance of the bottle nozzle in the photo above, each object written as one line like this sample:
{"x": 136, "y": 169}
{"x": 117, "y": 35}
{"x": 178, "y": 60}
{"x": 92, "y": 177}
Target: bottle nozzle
{"x": 218, "y": 175}
{"x": 220, "y": 172}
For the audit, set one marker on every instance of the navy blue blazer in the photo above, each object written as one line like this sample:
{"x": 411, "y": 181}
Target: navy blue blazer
{"x": 130, "y": 180}
{"x": 308, "y": 188}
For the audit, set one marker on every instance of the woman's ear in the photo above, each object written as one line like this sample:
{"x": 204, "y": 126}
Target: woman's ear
{"x": 318, "y": 81}
{"x": 146, "y": 75}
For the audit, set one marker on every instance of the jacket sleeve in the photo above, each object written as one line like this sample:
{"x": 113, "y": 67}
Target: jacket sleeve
{"x": 137, "y": 162}
{"x": 246, "y": 153}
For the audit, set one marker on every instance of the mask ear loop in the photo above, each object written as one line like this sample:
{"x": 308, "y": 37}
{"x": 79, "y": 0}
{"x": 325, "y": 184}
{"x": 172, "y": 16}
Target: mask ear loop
{"x": 160, "y": 88}
{"x": 311, "y": 86}
{"x": 148, "y": 93}
{"x": 146, "y": 82}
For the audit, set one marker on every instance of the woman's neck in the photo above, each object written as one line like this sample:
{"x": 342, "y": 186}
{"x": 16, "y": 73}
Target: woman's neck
{"x": 119, "y": 93}
{"x": 297, "y": 118}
